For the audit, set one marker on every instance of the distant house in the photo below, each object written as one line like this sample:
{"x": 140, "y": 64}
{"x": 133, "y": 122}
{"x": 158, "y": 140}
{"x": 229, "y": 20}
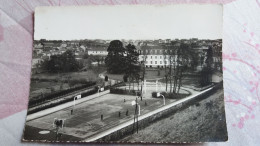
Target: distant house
{"x": 167, "y": 40}
{"x": 100, "y": 51}
{"x": 37, "y": 46}
{"x": 94, "y": 63}
{"x": 36, "y": 62}
{"x": 46, "y": 57}
{"x": 37, "y": 51}
{"x": 79, "y": 56}
{"x": 83, "y": 48}
{"x": 62, "y": 50}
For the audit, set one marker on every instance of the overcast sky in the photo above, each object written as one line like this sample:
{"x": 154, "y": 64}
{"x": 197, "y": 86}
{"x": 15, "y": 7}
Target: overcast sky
{"x": 129, "y": 22}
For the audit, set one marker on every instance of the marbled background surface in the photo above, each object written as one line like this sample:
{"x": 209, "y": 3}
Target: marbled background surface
{"x": 241, "y": 58}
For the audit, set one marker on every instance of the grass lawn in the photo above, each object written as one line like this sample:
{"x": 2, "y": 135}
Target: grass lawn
{"x": 157, "y": 73}
{"x": 118, "y": 77}
{"x": 37, "y": 88}
{"x": 86, "y": 75}
{"x": 153, "y": 74}
{"x": 149, "y": 74}
{"x": 55, "y": 80}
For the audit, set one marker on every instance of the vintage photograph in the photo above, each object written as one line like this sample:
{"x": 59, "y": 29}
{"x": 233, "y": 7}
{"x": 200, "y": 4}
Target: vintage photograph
{"x": 146, "y": 73}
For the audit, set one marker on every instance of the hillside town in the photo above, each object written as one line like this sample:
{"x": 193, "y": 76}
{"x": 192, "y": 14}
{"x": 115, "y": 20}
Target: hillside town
{"x": 154, "y": 53}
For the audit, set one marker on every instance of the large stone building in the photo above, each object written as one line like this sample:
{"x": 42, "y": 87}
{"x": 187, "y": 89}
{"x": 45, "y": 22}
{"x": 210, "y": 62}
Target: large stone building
{"x": 100, "y": 51}
{"x": 157, "y": 55}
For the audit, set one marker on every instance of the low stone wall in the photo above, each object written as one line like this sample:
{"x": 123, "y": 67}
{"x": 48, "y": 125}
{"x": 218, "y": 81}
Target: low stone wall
{"x": 119, "y": 134}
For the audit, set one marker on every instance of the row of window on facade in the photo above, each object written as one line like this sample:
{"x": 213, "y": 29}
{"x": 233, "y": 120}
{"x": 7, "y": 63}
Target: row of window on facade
{"x": 156, "y": 51}
{"x": 155, "y": 62}
{"x": 157, "y": 57}
{"x": 96, "y": 52}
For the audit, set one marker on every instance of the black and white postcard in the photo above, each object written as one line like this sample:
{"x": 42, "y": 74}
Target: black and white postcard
{"x": 125, "y": 74}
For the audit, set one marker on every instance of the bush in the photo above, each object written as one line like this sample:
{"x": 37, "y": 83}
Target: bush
{"x": 92, "y": 90}
{"x": 84, "y": 94}
{"x": 106, "y": 78}
{"x": 154, "y": 94}
{"x": 168, "y": 95}
{"x": 197, "y": 104}
{"x": 124, "y": 91}
{"x": 39, "y": 99}
{"x": 125, "y": 78}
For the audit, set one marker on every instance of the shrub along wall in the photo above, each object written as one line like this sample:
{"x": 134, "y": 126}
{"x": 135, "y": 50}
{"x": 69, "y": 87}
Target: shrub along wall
{"x": 117, "y": 135}
{"x": 124, "y": 91}
{"x": 38, "y": 100}
{"x": 170, "y": 95}
{"x": 53, "y": 104}
{"x": 92, "y": 90}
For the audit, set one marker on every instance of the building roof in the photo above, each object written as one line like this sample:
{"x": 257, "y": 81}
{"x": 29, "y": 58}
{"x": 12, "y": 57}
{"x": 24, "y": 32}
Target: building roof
{"x": 156, "y": 50}
{"x": 45, "y": 57}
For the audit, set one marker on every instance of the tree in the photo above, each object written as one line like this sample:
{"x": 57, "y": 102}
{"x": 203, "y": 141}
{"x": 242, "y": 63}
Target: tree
{"x": 180, "y": 57}
{"x": 132, "y": 67}
{"x": 115, "y": 60}
{"x": 206, "y": 72}
{"x": 85, "y": 56}
{"x": 106, "y": 78}
{"x": 166, "y": 54}
{"x": 125, "y": 77}
{"x": 217, "y": 51}
{"x": 65, "y": 62}
{"x": 143, "y": 66}
{"x": 69, "y": 63}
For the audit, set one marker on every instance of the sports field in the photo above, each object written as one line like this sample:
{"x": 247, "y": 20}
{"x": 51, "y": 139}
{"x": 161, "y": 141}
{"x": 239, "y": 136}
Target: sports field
{"x": 86, "y": 118}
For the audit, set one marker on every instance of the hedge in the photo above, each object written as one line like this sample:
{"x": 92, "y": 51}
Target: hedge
{"x": 124, "y": 91}
{"x": 39, "y": 99}
{"x": 84, "y": 94}
{"x": 170, "y": 95}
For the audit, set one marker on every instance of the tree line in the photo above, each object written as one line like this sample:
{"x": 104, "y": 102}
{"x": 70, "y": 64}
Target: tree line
{"x": 181, "y": 57}
{"x": 65, "y": 62}
{"x": 122, "y": 60}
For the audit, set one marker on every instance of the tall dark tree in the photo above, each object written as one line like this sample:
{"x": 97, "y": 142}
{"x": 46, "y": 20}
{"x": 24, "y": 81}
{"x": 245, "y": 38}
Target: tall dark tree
{"x": 144, "y": 52}
{"x": 132, "y": 64}
{"x": 132, "y": 67}
{"x": 115, "y": 60}
{"x": 207, "y": 70}
{"x": 69, "y": 62}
